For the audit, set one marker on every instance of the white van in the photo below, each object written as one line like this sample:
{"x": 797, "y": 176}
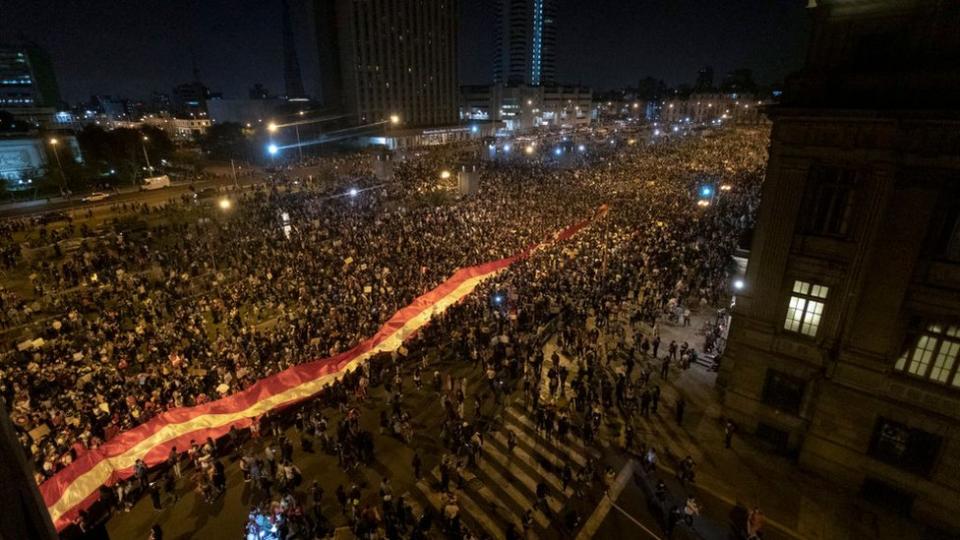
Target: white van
{"x": 156, "y": 182}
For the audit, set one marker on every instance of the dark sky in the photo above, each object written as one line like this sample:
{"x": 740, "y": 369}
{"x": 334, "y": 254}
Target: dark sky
{"x": 131, "y": 47}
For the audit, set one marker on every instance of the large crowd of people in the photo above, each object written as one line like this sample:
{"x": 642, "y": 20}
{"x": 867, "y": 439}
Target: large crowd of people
{"x": 184, "y": 303}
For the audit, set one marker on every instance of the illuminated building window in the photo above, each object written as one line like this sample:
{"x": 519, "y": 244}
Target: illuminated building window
{"x": 932, "y": 354}
{"x": 805, "y": 308}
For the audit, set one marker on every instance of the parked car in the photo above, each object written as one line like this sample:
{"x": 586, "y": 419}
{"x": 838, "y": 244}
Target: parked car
{"x": 96, "y": 196}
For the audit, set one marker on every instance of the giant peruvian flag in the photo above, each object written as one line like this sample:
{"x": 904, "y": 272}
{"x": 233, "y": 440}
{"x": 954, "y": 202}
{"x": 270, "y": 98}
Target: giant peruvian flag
{"x": 75, "y": 487}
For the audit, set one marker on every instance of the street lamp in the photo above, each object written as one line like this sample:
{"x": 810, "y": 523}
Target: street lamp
{"x": 143, "y": 144}
{"x": 296, "y": 127}
{"x": 63, "y": 179}
{"x": 272, "y": 149}
{"x": 225, "y": 204}
{"x": 445, "y": 174}
{"x": 273, "y": 127}
{"x": 395, "y": 119}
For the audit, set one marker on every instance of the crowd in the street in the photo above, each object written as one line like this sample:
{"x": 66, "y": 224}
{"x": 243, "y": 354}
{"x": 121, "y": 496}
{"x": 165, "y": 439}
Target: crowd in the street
{"x": 198, "y": 301}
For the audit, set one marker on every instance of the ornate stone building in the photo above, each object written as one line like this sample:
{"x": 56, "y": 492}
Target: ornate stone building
{"x": 845, "y": 342}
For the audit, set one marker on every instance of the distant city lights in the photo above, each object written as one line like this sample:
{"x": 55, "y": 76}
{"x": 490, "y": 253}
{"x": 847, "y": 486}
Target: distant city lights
{"x": 272, "y": 149}
{"x": 354, "y": 192}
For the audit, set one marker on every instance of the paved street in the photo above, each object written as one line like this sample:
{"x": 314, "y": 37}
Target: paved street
{"x": 495, "y": 493}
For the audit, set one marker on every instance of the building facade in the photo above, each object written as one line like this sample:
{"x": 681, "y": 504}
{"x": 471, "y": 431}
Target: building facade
{"x": 397, "y": 60}
{"x": 28, "y": 86}
{"x": 181, "y": 130}
{"x": 844, "y": 347}
{"x": 521, "y": 108}
{"x": 526, "y": 43}
{"x": 292, "y": 79}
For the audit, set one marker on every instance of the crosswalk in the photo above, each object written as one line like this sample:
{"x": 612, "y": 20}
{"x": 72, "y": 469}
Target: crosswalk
{"x": 501, "y": 487}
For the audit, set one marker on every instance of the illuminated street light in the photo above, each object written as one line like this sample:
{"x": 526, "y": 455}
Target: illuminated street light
{"x": 558, "y": 150}
{"x": 726, "y": 187}
{"x": 394, "y": 119}
{"x": 703, "y": 204}
{"x": 354, "y": 192}
{"x": 506, "y": 148}
{"x": 225, "y": 204}
{"x": 273, "y": 149}
{"x": 63, "y": 179}
{"x": 529, "y": 149}
{"x": 738, "y": 284}
{"x": 444, "y": 174}
{"x": 706, "y": 191}
{"x": 272, "y": 127}
{"x": 146, "y": 157}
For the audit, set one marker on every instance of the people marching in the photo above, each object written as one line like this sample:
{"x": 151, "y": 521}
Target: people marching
{"x": 197, "y": 303}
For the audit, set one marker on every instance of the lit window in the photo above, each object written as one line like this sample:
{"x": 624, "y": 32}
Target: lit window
{"x": 933, "y": 355}
{"x": 805, "y": 308}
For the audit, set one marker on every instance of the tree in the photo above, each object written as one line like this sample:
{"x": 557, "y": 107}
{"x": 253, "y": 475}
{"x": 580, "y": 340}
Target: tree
{"x": 9, "y": 124}
{"x": 122, "y": 151}
{"x": 227, "y": 141}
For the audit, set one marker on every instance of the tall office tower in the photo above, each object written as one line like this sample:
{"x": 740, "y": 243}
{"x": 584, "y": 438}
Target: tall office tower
{"x": 526, "y": 43}
{"x": 328, "y": 54}
{"x": 395, "y": 58}
{"x": 27, "y": 79}
{"x": 293, "y": 81}
{"x": 845, "y": 342}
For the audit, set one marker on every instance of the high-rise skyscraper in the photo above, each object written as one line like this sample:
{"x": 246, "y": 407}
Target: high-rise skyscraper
{"x": 292, "y": 79}
{"x": 526, "y": 43}
{"x": 844, "y": 348}
{"x": 383, "y": 59}
{"x": 26, "y": 77}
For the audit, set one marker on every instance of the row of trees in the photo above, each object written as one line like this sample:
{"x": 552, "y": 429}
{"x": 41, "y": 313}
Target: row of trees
{"x": 118, "y": 157}
{"x": 111, "y": 159}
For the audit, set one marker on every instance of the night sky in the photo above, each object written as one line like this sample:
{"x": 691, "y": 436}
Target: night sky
{"x": 132, "y": 47}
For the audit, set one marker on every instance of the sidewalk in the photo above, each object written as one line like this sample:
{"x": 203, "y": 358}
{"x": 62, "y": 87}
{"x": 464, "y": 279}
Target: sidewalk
{"x": 796, "y": 504}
